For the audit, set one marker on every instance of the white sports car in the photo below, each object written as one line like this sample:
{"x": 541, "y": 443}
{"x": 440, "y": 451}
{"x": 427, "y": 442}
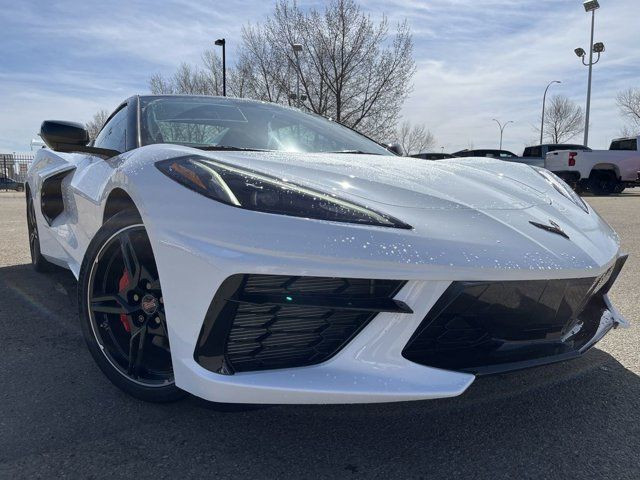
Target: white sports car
{"x": 250, "y": 253}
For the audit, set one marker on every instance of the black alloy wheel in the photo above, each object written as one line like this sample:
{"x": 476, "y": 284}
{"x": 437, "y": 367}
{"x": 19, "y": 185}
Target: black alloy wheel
{"x": 122, "y": 310}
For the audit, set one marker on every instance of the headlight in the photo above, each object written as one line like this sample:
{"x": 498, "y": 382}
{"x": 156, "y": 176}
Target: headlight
{"x": 562, "y": 188}
{"x": 262, "y": 193}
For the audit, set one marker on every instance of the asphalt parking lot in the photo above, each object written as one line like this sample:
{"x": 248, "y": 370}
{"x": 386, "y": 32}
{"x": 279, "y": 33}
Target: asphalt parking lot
{"x": 60, "y": 417}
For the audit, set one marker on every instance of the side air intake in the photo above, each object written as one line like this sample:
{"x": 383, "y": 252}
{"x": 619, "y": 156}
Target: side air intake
{"x": 259, "y": 322}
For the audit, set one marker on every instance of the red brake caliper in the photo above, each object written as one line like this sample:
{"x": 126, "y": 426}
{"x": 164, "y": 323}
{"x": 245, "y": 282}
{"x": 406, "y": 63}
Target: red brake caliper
{"x": 122, "y": 286}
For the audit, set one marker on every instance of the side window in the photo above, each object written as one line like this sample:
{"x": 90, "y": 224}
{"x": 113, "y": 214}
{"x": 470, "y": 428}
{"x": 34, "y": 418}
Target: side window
{"x": 630, "y": 144}
{"x": 533, "y": 152}
{"x": 114, "y": 134}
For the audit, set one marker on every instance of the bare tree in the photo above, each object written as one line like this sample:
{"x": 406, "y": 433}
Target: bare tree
{"x": 262, "y": 72}
{"x": 190, "y": 79}
{"x": 563, "y": 119}
{"x": 629, "y": 104}
{"x": 414, "y": 139}
{"x": 350, "y": 68}
{"x": 94, "y": 125}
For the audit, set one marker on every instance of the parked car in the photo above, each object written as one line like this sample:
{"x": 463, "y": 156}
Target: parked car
{"x": 601, "y": 172}
{"x": 536, "y": 154}
{"x": 7, "y": 183}
{"x": 501, "y": 154}
{"x": 248, "y": 252}
{"x": 433, "y": 156}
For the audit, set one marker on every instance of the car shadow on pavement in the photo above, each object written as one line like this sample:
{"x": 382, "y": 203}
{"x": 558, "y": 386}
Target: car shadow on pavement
{"x": 61, "y": 416}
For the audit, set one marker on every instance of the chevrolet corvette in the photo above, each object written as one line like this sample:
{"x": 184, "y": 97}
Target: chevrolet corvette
{"x": 247, "y": 252}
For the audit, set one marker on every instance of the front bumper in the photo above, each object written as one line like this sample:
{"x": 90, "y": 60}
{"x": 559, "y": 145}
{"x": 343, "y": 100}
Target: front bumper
{"x": 370, "y": 368}
{"x": 194, "y": 259}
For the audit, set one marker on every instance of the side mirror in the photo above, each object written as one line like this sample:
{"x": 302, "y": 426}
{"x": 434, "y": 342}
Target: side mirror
{"x": 64, "y": 136}
{"x": 395, "y": 148}
{"x": 58, "y": 134}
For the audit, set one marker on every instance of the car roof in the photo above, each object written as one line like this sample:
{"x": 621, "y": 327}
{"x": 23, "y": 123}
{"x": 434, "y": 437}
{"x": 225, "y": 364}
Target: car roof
{"x": 493, "y": 150}
{"x": 557, "y": 145}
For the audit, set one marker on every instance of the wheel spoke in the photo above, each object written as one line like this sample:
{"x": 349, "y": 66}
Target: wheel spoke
{"x": 163, "y": 324}
{"x": 130, "y": 258}
{"x": 112, "y": 304}
{"x": 136, "y": 350}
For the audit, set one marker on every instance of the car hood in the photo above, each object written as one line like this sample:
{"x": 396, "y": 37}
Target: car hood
{"x": 474, "y": 183}
{"x": 467, "y": 213}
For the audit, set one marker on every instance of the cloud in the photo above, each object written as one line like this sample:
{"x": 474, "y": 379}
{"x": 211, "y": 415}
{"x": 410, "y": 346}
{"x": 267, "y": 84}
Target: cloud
{"x": 494, "y": 59}
{"x": 477, "y": 59}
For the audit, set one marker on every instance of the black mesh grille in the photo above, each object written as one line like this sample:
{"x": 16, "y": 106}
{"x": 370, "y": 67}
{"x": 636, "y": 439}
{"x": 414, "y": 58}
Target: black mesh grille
{"x": 272, "y": 321}
{"x": 320, "y": 285}
{"x": 487, "y": 327}
{"x": 280, "y": 336}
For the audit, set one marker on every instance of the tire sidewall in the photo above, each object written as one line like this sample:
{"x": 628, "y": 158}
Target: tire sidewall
{"x": 603, "y": 183}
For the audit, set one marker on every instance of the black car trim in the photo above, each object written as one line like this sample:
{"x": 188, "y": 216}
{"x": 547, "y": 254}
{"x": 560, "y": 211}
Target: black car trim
{"x": 249, "y": 311}
{"x": 492, "y": 327}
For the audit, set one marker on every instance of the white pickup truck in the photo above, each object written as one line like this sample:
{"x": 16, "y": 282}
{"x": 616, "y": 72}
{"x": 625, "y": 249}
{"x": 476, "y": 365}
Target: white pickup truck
{"x": 602, "y": 172}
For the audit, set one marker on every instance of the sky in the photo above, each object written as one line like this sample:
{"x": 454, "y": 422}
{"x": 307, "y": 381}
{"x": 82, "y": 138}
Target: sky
{"x": 476, "y": 59}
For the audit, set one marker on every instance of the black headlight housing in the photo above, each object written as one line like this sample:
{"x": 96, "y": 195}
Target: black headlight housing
{"x": 263, "y": 193}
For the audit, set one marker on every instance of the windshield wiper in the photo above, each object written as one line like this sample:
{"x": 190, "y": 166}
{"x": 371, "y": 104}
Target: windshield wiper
{"x": 356, "y": 152}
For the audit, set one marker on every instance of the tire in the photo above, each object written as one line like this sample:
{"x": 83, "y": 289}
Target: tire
{"x": 122, "y": 312}
{"x": 39, "y": 263}
{"x": 603, "y": 182}
{"x": 620, "y": 188}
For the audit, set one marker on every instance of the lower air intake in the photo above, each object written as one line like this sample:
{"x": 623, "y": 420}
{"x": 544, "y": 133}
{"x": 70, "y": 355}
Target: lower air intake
{"x": 259, "y": 322}
{"x": 490, "y": 327}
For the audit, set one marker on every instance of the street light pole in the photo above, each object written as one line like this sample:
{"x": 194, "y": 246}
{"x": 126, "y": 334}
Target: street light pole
{"x": 221, "y": 42}
{"x": 544, "y": 100}
{"x": 296, "y": 49}
{"x": 586, "y": 116}
{"x": 502, "y": 127}
{"x": 590, "y": 6}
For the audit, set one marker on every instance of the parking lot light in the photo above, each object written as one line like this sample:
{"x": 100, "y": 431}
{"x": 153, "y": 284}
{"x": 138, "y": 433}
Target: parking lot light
{"x": 591, "y": 5}
{"x": 297, "y": 48}
{"x": 502, "y": 127}
{"x": 544, "y": 100}
{"x": 221, "y": 42}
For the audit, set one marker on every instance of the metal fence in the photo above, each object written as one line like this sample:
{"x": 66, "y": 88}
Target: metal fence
{"x": 15, "y": 166}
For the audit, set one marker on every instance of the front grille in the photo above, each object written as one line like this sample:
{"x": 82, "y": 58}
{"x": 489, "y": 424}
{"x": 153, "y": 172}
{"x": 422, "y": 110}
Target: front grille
{"x": 258, "y": 322}
{"x": 488, "y": 327}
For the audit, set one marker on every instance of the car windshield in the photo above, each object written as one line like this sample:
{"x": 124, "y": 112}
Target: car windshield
{"x": 222, "y": 123}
